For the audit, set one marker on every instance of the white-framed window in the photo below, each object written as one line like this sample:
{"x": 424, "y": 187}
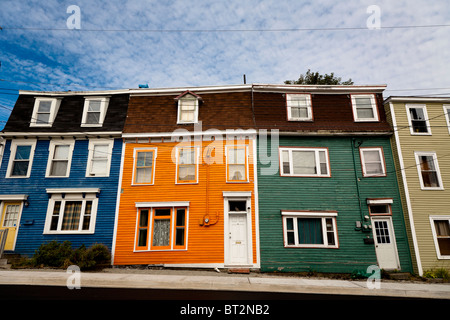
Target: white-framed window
{"x": 440, "y": 226}
{"x": 382, "y": 206}
{"x": 44, "y": 112}
{"x": 428, "y": 170}
{"x": 94, "y": 111}
{"x": 304, "y": 162}
{"x": 418, "y": 119}
{"x": 21, "y": 158}
{"x": 372, "y": 160}
{"x": 447, "y": 115}
{"x": 364, "y": 107}
{"x": 71, "y": 211}
{"x": 162, "y": 226}
{"x": 59, "y": 158}
{"x": 237, "y": 163}
{"x": 99, "y": 158}
{"x": 299, "y": 107}
{"x": 310, "y": 229}
{"x": 188, "y": 109}
{"x": 187, "y": 164}
{"x": 144, "y": 166}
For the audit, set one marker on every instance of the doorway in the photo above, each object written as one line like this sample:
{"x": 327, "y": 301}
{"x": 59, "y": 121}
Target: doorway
{"x": 385, "y": 247}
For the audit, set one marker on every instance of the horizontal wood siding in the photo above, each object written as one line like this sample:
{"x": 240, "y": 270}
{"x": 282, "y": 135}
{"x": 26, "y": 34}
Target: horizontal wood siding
{"x": 30, "y": 237}
{"x": 205, "y": 244}
{"x": 338, "y": 193}
{"x": 425, "y": 203}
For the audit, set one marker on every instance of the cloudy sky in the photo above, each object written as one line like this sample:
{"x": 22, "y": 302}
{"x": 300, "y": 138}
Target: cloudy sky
{"x": 168, "y": 43}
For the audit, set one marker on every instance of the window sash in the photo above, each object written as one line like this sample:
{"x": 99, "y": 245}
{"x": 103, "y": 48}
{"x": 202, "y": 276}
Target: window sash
{"x": 187, "y": 165}
{"x": 237, "y": 164}
{"x": 304, "y": 162}
{"x": 59, "y": 159}
{"x": 428, "y": 171}
{"x": 441, "y": 234}
{"x": 364, "y": 108}
{"x": 307, "y": 231}
{"x": 144, "y": 163}
{"x": 373, "y": 162}
{"x": 299, "y": 107}
{"x": 21, "y": 160}
{"x": 187, "y": 110}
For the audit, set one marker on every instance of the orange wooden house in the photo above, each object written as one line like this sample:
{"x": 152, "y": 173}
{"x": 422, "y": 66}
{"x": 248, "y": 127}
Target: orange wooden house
{"x": 188, "y": 187}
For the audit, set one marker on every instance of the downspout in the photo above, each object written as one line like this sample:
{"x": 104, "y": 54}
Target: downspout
{"x": 357, "y": 181}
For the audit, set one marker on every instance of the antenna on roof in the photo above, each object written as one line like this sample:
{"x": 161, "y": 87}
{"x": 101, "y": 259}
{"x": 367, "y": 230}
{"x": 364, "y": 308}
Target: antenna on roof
{"x": 245, "y": 80}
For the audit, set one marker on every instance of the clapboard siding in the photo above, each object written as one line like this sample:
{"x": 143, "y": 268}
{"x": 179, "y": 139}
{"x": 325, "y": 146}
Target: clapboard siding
{"x": 338, "y": 193}
{"x": 205, "y": 244}
{"x": 424, "y": 203}
{"x": 30, "y": 237}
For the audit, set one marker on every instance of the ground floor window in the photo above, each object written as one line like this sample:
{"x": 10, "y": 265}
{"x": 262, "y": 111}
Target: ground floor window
{"x": 161, "y": 228}
{"x": 441, "y": 233}
{"x": 71, "y": 213}
{"x": 309, "y": 229}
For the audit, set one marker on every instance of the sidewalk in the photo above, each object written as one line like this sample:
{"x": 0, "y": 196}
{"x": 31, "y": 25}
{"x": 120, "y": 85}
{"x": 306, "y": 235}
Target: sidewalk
{"x": 211, "y": 280}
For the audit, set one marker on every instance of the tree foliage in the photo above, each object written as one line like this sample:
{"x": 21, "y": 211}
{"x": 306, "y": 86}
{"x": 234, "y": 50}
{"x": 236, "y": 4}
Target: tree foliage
{"x": 316, "y": 78}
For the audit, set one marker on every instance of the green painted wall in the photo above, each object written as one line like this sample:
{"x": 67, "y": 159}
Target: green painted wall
{"x": 338, "y": 193}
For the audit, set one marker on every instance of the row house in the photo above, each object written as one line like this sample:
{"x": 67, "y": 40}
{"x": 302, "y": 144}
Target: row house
{"x": 60, "y": 168}
{"x": 327, "y": 186}
{"x": 188, "y": 190}
{"x": 421, "y": 144}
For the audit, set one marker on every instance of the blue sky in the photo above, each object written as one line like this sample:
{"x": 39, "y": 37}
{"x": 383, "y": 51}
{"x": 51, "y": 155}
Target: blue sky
{"x": 121, "y": 44}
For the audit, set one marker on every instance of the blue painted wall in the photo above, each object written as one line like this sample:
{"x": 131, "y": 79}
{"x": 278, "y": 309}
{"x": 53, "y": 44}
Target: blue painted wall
{"x": 30, "y": 237}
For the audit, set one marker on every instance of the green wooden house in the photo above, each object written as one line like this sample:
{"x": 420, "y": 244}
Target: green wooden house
{"x": 328, "y": 194}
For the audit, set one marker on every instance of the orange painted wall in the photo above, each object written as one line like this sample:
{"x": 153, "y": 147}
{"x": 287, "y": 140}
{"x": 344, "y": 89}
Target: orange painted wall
{"x": 205, "y": 245}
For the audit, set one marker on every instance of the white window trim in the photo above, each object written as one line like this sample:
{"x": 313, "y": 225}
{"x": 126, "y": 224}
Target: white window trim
{"x": 92, "y": 143}
{"x": 63, "y": 197}
{"x": 197, "y": 156}
{"x": 433, "y": 230}
{"x": 13, "y": 149}
{"x": 51, "y": 151}
{"x": 309, "y": 107}
{"x": 374, "y": 108}
{"x": 291, "y": 164}
{"x": 155, "y": 155}
{"x": 447, "y": 115}
{"x": 180, "y": 101}
{"x": 227, "y": 147}
{"x": 53, "y": 111}
{"x": 417, "y": 154}
{"x": 363, "y": 162}
{"x": 310, "y": 214}
{"x": 169, "y": 205}
{"x": 104, "y": 102}
{"x": 425, "y": 114}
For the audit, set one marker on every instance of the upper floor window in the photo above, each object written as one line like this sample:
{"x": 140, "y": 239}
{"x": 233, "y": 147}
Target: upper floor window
{"x": 59, "y": 158}
{"x": 418, "y": 119}
{"x": 364, "y": 107}
{"x": 21, "y": 158}
{"x": 372, "y": 160}
{"x": 428, "y": 169}
{"x": 144, "y": 166}
{"x": 188, "y": 104}
{"x": 44, "y": 112}
{"x": 299, "y": 107}
{"x": 304, "y": 162}
{"x": 187, "y": 165}
{"x": 94, "y": 111}
{"x": 236, "y": 163}
{"x": 99, "y": 159}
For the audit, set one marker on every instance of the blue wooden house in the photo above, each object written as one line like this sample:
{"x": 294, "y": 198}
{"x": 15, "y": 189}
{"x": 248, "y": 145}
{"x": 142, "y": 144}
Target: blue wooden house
{"x": 60, "y": 167}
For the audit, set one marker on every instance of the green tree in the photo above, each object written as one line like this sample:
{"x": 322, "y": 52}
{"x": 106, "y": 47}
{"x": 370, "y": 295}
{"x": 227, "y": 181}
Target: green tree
{"x": 316, "y": 78}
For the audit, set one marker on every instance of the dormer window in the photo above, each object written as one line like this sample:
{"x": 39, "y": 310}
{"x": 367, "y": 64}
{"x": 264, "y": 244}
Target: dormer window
{"x": 94, "y": 111}
{"x": 44, "y": 112}
{"x": 188, "y": 103}
{"x": 299, "y": 107}
{"x": 364, "y": 108}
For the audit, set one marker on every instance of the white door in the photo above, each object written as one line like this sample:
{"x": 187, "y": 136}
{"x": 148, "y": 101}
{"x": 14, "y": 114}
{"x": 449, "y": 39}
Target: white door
{"x": 385, "y": 247}
{"x": 238, "y": 238}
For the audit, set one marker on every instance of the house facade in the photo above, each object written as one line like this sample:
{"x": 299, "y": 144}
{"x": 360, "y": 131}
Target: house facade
{"x": 327, "y": 187}
{"x": 188, "y": 188}
{"x": 421, "y": 142}
{"x": 60, "y": 168}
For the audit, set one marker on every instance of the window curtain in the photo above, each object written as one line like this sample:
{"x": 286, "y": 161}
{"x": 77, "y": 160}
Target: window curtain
{"x": 309, "y": 230}
{"x": 304, "y": 162}
{"x": 72, "y": 213}
{"x": 161, "y": 232}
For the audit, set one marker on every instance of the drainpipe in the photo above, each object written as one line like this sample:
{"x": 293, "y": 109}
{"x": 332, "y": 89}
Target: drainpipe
{"x": 357, "y": 180}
